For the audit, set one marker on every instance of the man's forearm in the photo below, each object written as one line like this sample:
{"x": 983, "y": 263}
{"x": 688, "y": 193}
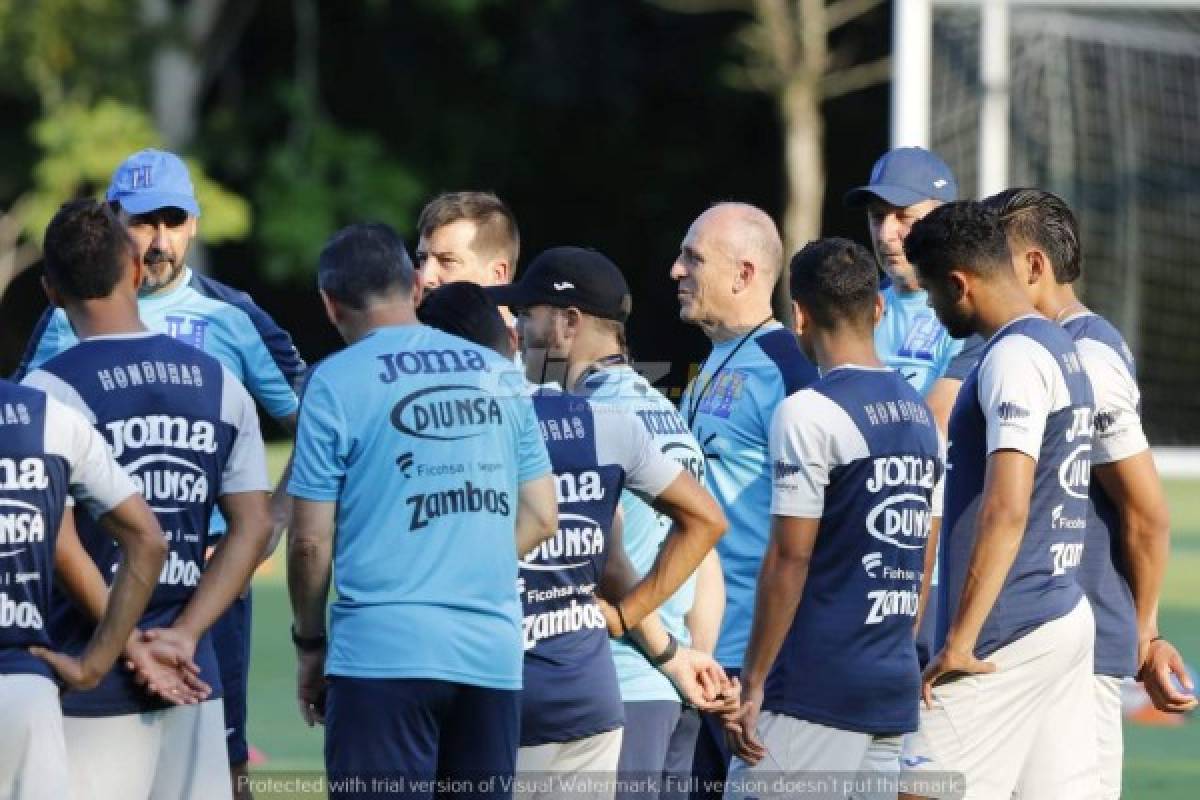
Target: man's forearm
{"x": 227, "y": 574}
{"x": 280, "y": 508}
{"x": 708, "y": 605}
{"x": 310, "y": 566}
{"x": 682, "y": 552}
{"x": 1000, "y": 532}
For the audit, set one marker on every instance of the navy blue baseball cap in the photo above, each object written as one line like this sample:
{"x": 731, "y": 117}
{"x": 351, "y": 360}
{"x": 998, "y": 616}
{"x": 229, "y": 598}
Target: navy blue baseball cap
{"x": 152, "y": 179}
{"x": 906, "y": 176}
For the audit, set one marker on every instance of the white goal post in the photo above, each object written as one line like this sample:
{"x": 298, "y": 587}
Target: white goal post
{"x": 1098, "y": 101}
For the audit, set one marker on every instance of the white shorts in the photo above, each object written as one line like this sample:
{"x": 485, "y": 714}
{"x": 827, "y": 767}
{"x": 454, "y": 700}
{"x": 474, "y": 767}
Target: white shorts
{"x": 33, "y": 755}
{"x": 985, "y": 727}
{"x": 174, "y": 754}
{"x": 806, "y": 759}
{"x": 583, "y": 769}
{"x": 1109, "y": 746}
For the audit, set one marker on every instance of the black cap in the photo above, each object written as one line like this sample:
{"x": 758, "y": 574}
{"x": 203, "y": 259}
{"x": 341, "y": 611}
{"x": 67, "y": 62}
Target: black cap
{"x": 462, "y": 308}
{"x": 576, "y": 277}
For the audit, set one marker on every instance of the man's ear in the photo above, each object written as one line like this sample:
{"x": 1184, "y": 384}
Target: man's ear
{"x": 798, "y": 318}
{"x": 744, "y": 275}
{"x": 501, "y": 271}
{"x": 137, "y": 270}
{"x": 418, "y": 291}
{"x": 51, "y": 295}
{"x": 960, "y": 285}
{"x": 877, "y": 314}
{"x": 332, "y": 312}
{"x": 1036, "y": 265}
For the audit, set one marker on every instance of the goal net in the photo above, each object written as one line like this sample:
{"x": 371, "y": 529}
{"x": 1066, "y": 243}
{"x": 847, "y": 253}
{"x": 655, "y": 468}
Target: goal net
{"x": 1104, "y": 111}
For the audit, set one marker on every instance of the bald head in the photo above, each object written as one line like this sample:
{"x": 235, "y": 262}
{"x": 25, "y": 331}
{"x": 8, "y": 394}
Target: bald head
{"x": 727, "y": 268}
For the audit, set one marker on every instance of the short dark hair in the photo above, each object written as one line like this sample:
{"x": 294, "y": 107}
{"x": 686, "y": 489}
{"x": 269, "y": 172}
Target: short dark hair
{"x": 86, "y": 250}
{"x": 495, "y": 226}
{"x": 964, "y": 236}
{"x": 464, "y": 309}
{"x": 364, "y": 260}
{"x": 1044, "y": 220}
{"x": 836, "y": 280}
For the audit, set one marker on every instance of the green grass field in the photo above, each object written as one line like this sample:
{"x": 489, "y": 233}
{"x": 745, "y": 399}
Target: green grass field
{"x": 1160, "y": 763}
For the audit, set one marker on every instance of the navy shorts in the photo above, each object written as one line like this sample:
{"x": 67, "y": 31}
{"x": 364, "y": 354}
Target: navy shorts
{"x": 419, "y": 739}
{"x": 657, "y": 750}
{"x": 231, "y": 640}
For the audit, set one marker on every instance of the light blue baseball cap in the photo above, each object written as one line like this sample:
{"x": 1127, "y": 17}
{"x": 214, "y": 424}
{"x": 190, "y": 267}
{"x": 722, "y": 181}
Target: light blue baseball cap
{"x": 152, "y": 179}
{"x": 907, "y": 176}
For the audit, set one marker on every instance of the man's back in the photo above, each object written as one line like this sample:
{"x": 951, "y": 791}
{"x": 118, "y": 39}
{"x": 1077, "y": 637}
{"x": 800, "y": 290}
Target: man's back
{"x": 414, "y": 435}
{"x": 187, "y": 432}
{"x": 858, "y": 450}
{"x": 596, "y": 451}
{"x": 1029, "y": 393}
{"x": 44, "y": 447}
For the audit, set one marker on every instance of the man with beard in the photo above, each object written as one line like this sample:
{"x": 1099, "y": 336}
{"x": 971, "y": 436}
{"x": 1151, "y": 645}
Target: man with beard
{"x": 1015, "y": 633}
{"x": 152, "y": 194}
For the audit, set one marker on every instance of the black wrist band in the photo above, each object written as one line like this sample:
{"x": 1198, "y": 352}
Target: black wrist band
{"x": 621, "y": 616}
{"x": 668, "y": 654}
{"x": 1155, "y": 639}
{"x": 308, "y": 643}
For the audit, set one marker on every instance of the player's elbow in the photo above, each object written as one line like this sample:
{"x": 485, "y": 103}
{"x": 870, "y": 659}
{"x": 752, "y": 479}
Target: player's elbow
{"x": 707, "y": 521}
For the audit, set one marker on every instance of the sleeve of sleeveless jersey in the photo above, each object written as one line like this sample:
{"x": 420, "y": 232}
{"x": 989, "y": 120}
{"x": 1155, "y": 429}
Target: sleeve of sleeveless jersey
{"x": 533, "y": 460}
{"x": 801, "y": 456}
{"x": 1118, "y": 420}
{"x": 967, "y": 356}
{"x": 1019, "y": 386}
{"x": 96, "y": 479}
{"x": 246, "y": 468}
{"x": 43, "y": 344}
{"x": 621, "y": 438}
{"x": 322, "y": 443}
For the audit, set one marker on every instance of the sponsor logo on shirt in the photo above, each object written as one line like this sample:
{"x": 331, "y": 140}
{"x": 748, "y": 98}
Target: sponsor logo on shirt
{"x": 160, "y": 430}
{"x": 902, "y": 519}
{"x": 18, "y": 614}
{"x": 1104, "y": 420}
{"x": 784, "y": 470}
{"x": 687, "y": 457}
{"x": 1075, "y": 472}
{"x": 429, "y": 362}
{"x": 466, "y": 499}
{"x": 20, "y": 523}
{"x": 1066, "y": 555}
{"x": 168, "y": 483}
{"x": 872, "y": 562}
{"x": 178, "y": 571}
{"x": 581, "y": 487}
{"x": 193, "y": 334}
{"x": 447, "y": 413}
{"x": 569, "y": 619}
{"x": 23, "y": 475}
{"x": 889, "y": 603}
{"x": 577, "y": 537}
{"x": 1011, "y": 412}
{"x": 1059, "y": 522}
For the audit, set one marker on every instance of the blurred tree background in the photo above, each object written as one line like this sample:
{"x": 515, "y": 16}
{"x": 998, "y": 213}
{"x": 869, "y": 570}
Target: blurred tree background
{"x": 607, "y": 124}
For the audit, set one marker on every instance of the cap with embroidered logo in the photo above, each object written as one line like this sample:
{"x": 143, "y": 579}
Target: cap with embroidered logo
{"x": 569, "y": 277}
{"x": 152, "y": 179}
{"x": 906, "y": 176}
